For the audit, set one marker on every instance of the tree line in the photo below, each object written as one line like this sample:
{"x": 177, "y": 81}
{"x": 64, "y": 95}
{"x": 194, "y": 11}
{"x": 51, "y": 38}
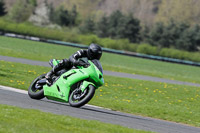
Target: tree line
{"x": 178, "y": 35}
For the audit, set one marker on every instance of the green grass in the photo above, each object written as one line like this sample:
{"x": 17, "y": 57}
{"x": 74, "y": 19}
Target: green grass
{"x": 44, "y": 52}
{"x": 159, "y": 100}
{"x": 18, "y": 120}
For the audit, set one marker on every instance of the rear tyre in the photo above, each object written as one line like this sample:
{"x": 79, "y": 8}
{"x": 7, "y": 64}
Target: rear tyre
{"x": 80, "y": 99}
{"x": 36, "y": 93}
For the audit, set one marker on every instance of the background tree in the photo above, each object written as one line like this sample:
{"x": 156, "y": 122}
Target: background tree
{"x": 62, "y": 16}
{"x": 131, "y": 29}
{"x": 179, "y": 32}
{"x": 114, "y": 22}
{"x": 2, "y": 8}
{"x": 22, "y": 10}
{"x": 118, "y": 25}
{"x": 145, "y": 31}
{"x": 190, "y": 39}
{"x": 52, "y": 13}
{"x": 73, "y": 16}
{"x": 175, "y": 35}
{"x": 34, "y": 2}
{"x": 156, "y": 35}
{"x": 88, "y": 25}
{"x": 103, "y": 27}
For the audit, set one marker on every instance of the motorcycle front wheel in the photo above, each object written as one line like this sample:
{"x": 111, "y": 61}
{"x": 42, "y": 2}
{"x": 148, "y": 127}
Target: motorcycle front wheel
{"x": 78, "y": 98}
{"x": 36, "y": 92}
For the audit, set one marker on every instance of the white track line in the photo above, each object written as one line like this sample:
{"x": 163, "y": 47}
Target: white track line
{"x": 26, "y": 92}
{"x": 13, "y": 89}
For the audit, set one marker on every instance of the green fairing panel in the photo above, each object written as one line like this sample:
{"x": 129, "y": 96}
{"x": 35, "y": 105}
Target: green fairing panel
{"x": 95, "y": 75}
{"x": 61, "y": 88}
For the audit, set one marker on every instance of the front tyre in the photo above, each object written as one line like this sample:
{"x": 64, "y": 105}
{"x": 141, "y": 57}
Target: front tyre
{"x": 36, "y": 92}
{"x": 78, "y": 99}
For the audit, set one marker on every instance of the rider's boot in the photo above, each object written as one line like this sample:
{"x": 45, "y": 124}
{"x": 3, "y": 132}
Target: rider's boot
{"x": 49, "y": 78}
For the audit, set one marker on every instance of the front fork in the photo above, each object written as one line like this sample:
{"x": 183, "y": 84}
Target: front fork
{"x": 81, "y": 91}
{"x": 85, "y": 84}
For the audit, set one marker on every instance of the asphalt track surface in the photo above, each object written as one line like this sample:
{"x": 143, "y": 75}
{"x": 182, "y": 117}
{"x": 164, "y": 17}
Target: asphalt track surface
{"x": 19, "y": 98}
{"x": 117, "y": 74}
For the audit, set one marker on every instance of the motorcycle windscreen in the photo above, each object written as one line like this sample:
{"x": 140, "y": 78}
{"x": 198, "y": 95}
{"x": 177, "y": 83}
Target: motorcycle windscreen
{"x": 98, "y": 65}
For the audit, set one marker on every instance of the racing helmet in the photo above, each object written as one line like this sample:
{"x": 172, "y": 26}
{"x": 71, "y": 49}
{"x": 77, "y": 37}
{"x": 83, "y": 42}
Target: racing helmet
{"x": 94, "y": 51}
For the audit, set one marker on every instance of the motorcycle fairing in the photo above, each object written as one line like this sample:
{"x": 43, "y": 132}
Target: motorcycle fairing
{"x": 60, "y": 90}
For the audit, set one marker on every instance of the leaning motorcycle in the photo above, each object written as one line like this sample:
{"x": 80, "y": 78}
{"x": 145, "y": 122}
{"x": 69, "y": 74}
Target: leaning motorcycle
{"x": 75, "y": 86}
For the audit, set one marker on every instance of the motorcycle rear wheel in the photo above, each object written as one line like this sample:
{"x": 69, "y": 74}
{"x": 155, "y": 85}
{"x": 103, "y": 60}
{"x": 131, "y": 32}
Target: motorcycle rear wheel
{"x": 90, "y": 91}
{"x": 36, "y": 93}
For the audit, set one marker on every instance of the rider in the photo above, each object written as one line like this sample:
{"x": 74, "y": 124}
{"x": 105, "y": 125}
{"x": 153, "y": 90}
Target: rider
{"x": 94, "y": 51}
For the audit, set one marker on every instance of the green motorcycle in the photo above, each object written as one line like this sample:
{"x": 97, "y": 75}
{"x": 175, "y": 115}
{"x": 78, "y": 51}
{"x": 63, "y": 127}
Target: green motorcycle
{"x": 76, "y": 86}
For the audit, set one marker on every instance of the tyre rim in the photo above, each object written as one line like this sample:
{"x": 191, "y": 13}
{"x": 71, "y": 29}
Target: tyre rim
{"x": 77, "y": 95}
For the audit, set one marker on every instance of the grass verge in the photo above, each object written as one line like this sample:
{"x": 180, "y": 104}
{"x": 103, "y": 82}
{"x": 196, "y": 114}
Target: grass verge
{"x": 44, "y": 52}
{"x": 18, "y": 120}
{"x": 177, "y": 103}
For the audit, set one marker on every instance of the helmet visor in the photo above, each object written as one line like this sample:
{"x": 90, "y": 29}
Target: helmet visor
{"x": 95, "y": 54}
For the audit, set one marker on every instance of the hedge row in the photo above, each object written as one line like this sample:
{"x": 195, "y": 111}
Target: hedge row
{"x": 121, "y": 44}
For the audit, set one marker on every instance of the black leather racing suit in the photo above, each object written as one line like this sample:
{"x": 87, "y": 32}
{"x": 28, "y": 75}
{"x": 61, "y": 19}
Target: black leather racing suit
{"x": 73, "y": 59}
{"x": 68, "y": 63}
